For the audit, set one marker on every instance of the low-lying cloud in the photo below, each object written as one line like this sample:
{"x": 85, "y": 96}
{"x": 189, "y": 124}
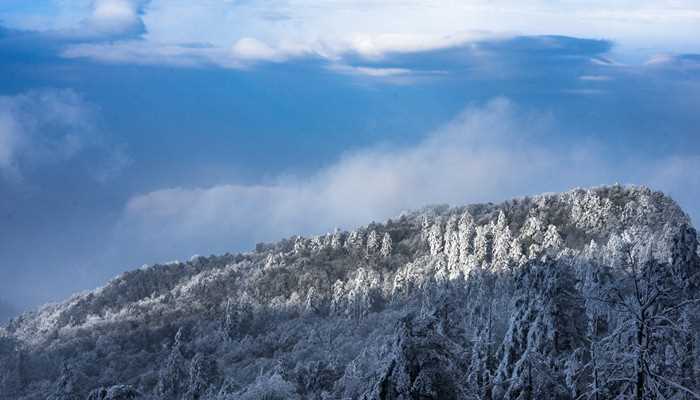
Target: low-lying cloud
{"x": 487, "y": 153}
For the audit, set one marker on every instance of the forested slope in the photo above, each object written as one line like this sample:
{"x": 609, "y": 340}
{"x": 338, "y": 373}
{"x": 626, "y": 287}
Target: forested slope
{"x": 584, "y": 294}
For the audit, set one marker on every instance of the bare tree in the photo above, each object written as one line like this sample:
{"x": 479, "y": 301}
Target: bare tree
{"x": 645, "y": 307}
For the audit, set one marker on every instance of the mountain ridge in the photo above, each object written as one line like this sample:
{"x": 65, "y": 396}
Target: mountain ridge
{"x": 383, "y": 283}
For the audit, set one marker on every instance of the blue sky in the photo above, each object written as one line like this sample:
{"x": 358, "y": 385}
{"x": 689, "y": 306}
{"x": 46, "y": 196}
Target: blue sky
{"x": 136, "y": 131}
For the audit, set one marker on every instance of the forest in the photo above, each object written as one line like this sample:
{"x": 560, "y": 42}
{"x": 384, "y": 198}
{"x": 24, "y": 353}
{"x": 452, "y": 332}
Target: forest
{"x": 588, "y": 294}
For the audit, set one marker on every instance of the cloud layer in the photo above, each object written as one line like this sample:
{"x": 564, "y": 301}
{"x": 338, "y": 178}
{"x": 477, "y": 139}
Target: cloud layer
{"x": 234, "y": 34}
{"x": 486, "y": 153}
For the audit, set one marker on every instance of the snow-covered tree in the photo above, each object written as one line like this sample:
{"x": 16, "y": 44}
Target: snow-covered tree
{"x": 483, "y": 244}
{"x": 479, "y": 371}
{"x": 502, "y": 243}
{"x": 116, "y": 392}
{"x": 328, "y": 322}
{"x": 532, "y": 231}
{"x": 68, "y": 384}
{"x": 338, "y": 298}
{"x": 354, "y": 242}
{"x": 204, "y": 378}
{"x": 552, "y": 242}
{"x": 363, "y": 293}
{"x": 336, "y": 240}
{"x": 648, "y": 318}
{"x": 373, "y": 244}
{"x": 272, "y": 387}
{"x": 172, "y": 382}
{"x": 300, "y": 246}
{"x": 387, "y": 245}
{"x": 238, "y": 318}
{"x": 435, "y": 238}
{"x": 451, "y": 233}
{"x": 467, "y": 231}
{"x": 313, "y": 304}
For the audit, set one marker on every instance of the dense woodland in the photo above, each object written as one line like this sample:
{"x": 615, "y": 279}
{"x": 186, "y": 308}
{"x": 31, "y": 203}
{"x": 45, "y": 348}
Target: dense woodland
{"x": 588, "y": 294}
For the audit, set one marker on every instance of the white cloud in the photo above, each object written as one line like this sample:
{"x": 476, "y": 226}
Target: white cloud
{"x": 376, "y": 46}
{"x": 488, "y": 153}
{"x": 276, "y": 31}
{"x": 595, "y": 78}
{"x": 144, "y": 53}
{"x": 114, "y": 18}
{"x": 397, "y": 76}
{"x": 43, "y": 127}
{"x": 249, "y": 48}
{"x": 371, "y": 71}
{"x": 91, "y": 20}
{"x": 681, "y": 62}
{"x": 484, "y": 154}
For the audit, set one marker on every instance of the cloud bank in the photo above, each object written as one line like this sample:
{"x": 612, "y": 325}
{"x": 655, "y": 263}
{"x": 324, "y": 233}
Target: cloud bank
{"x": 487, "y": 153}
{"x": 233, "y": 34}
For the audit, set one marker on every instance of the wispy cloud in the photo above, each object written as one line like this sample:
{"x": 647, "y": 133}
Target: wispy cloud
{"x": 595, "y": 78}
{"x": 45, "y": 127}
{"x": 679, "y": 62}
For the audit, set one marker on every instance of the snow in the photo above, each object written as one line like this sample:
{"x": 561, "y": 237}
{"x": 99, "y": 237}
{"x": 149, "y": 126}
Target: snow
{"x": 591, "y": 293}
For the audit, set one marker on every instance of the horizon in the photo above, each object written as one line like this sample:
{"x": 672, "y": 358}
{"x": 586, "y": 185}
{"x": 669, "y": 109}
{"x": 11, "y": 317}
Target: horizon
{"x": 140, "y": 131}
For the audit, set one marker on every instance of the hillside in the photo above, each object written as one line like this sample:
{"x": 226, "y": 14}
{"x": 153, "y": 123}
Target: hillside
{"x": 584, "y": 294}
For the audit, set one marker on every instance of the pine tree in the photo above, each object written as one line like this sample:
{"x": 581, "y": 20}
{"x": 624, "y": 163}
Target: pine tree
{"x": 172, "y": 383}
{"x": 314, "y": 302}
{"x": 531, "y": 231}
{"x": 451, "y": 233}
{"x": 387, "y": 245}
{"x": 502, "y": 242}
{"x": 204, "y": 377}
{"x": 238, "y": 318}
{"x": 479, "y": 374}
{"x": 336, "y": 240}
{"x": 354, "y": 242}
{"x": 466, "y": 234}
{"x": 482, "y": 244}
{"x": 300, "y": 246}
{"x": 68, "y": 384}
{"x": 435, "y": 238}
{"x": 553, "y": 242}
{"x": 338, "y": 299}
{"x": 372, "y": 243}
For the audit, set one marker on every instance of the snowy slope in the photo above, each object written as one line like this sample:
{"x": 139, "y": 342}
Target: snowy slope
{"x": 583, "y": 293}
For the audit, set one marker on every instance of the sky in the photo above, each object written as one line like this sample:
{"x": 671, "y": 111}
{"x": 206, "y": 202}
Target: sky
{"x": 134, "y": 132}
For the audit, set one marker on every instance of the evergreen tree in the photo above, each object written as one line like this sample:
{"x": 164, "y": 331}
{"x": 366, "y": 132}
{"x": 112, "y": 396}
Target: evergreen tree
{"x": 204, "y": 378}
{"x": 373, "y": 244}
{"x": 387, "y": 245}
{"x": 172, "y": 382}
